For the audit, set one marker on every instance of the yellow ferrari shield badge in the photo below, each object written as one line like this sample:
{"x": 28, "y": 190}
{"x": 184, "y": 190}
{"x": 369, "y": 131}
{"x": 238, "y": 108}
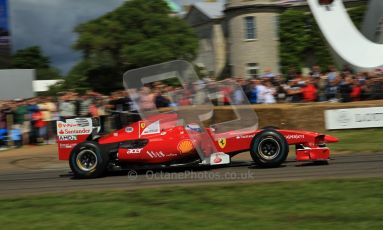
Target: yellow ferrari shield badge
{"x": 222, "y": 142}
{"x": 142, "y": 125}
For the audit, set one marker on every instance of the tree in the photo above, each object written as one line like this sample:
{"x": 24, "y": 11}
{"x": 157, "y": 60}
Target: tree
{"x": 357, "y": 15}
{"x": 33, "y": 58}
{"x": 301, "y": 41}
{"x": 30, "y": 58}
{"x": 293, "y": 36}
{"x": 137, "y": 34}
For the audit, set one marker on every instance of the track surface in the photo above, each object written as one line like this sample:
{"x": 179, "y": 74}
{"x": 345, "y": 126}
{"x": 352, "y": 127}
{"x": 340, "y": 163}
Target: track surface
{"x": 44, "y": 174}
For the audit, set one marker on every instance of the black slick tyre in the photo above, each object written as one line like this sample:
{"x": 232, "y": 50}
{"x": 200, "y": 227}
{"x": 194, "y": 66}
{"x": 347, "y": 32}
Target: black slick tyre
{"x": 88, "y": 161}
{"x": 269, "y": 148}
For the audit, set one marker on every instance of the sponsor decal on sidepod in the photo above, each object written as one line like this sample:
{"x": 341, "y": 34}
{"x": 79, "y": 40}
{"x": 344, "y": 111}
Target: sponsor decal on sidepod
{"x": 185, "y": 146}
{"x": 133, "y": 151}
{"x": 154, "y": 154}
{"x": 153, "y": 128}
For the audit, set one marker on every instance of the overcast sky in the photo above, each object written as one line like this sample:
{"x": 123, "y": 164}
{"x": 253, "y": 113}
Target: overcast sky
{"x": 50, "y": 23}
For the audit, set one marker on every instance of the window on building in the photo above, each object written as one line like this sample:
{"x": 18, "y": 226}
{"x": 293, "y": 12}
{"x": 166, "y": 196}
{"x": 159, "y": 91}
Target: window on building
{"x": 276, "y": 26}
{"x": 205, "y": 46}
{"x": 250, "y": 28}
{"x": 379, "y": 29}
{"x": 252, "y": 69}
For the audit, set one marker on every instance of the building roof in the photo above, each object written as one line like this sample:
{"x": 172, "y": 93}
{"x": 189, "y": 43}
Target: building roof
{"x": 213, "y": 10}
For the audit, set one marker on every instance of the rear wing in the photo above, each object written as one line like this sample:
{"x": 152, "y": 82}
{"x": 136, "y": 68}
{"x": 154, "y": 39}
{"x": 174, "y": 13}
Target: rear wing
{"x": 71, "y": 132}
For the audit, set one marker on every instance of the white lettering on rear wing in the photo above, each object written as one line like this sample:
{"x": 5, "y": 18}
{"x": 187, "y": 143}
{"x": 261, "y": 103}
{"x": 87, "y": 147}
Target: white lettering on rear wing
{"x": 76, "y": 126}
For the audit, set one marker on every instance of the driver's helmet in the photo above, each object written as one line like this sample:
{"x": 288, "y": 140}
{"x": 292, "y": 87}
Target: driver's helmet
{"x": 194, "y": 127}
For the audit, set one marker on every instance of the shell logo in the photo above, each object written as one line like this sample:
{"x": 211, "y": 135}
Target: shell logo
{"x": 59, "y": 125}
{"x": 185, "y": 146}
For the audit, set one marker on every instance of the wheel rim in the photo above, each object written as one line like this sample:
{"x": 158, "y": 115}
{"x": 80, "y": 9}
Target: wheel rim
{"x": 86, "y": 160}
{"x": 269, "y": 148}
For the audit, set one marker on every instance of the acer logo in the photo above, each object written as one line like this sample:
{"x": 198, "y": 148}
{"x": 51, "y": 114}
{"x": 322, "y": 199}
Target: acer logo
{"x": 133, "y": 151}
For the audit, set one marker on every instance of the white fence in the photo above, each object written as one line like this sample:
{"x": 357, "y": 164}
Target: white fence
{"x": 354, "y": 118}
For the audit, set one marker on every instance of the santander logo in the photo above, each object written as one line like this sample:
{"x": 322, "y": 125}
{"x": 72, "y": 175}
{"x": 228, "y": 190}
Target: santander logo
{"x": 81, "y": 126}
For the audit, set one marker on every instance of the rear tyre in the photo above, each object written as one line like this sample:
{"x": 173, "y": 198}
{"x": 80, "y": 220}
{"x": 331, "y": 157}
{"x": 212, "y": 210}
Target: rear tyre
{"x": 269, "y": 148}
{"x": 88, "y": 161}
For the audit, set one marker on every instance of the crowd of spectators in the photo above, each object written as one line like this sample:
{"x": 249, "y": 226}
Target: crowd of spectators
{"x": 316, "y": 86}
{"x": 32, "y": 121}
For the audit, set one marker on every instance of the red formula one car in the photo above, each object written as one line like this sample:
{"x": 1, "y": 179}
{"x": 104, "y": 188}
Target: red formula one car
{"x": 160, "y": 140}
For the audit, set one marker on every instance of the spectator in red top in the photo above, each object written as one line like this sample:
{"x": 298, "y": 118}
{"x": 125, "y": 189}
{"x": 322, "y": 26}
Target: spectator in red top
{"x": 40, "y": 125}
{"x": 184, "y": 97}
{"x": 226, "y": 91}
{"x": 93, "y": 110}
{"x": 356, "y": 90}
{"x": 309, "y": 91}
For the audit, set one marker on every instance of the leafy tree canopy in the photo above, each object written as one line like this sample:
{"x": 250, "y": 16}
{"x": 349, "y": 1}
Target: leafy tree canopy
{"x": 301, "y": 41}
{"x": 30, "y": 58}
{"x": 33, "y": 58}
{"x": 137, "y": 34}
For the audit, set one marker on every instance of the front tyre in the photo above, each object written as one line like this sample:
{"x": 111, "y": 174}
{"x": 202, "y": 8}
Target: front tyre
{"x": 88, "y": 161}
{"x": 269, "y": 148}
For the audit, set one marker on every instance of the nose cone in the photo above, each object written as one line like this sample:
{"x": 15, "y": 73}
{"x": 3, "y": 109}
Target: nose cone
{"x": 330, "y": 139}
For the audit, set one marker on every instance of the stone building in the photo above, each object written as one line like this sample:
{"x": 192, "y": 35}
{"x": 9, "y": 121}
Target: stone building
{"x": 207, "y": 19}
{"x": 253, "y": 36}
{"x": 241, "y": 35}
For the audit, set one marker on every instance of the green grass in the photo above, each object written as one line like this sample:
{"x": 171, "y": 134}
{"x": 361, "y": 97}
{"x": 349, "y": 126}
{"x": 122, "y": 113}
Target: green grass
{"x": 358, "y": 140}
{"x": 331, "y": 204}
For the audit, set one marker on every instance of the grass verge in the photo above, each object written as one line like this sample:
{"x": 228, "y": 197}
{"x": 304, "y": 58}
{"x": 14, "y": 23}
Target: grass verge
{"x": 358, "y": 140}
{"x": 330, "y": 204}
